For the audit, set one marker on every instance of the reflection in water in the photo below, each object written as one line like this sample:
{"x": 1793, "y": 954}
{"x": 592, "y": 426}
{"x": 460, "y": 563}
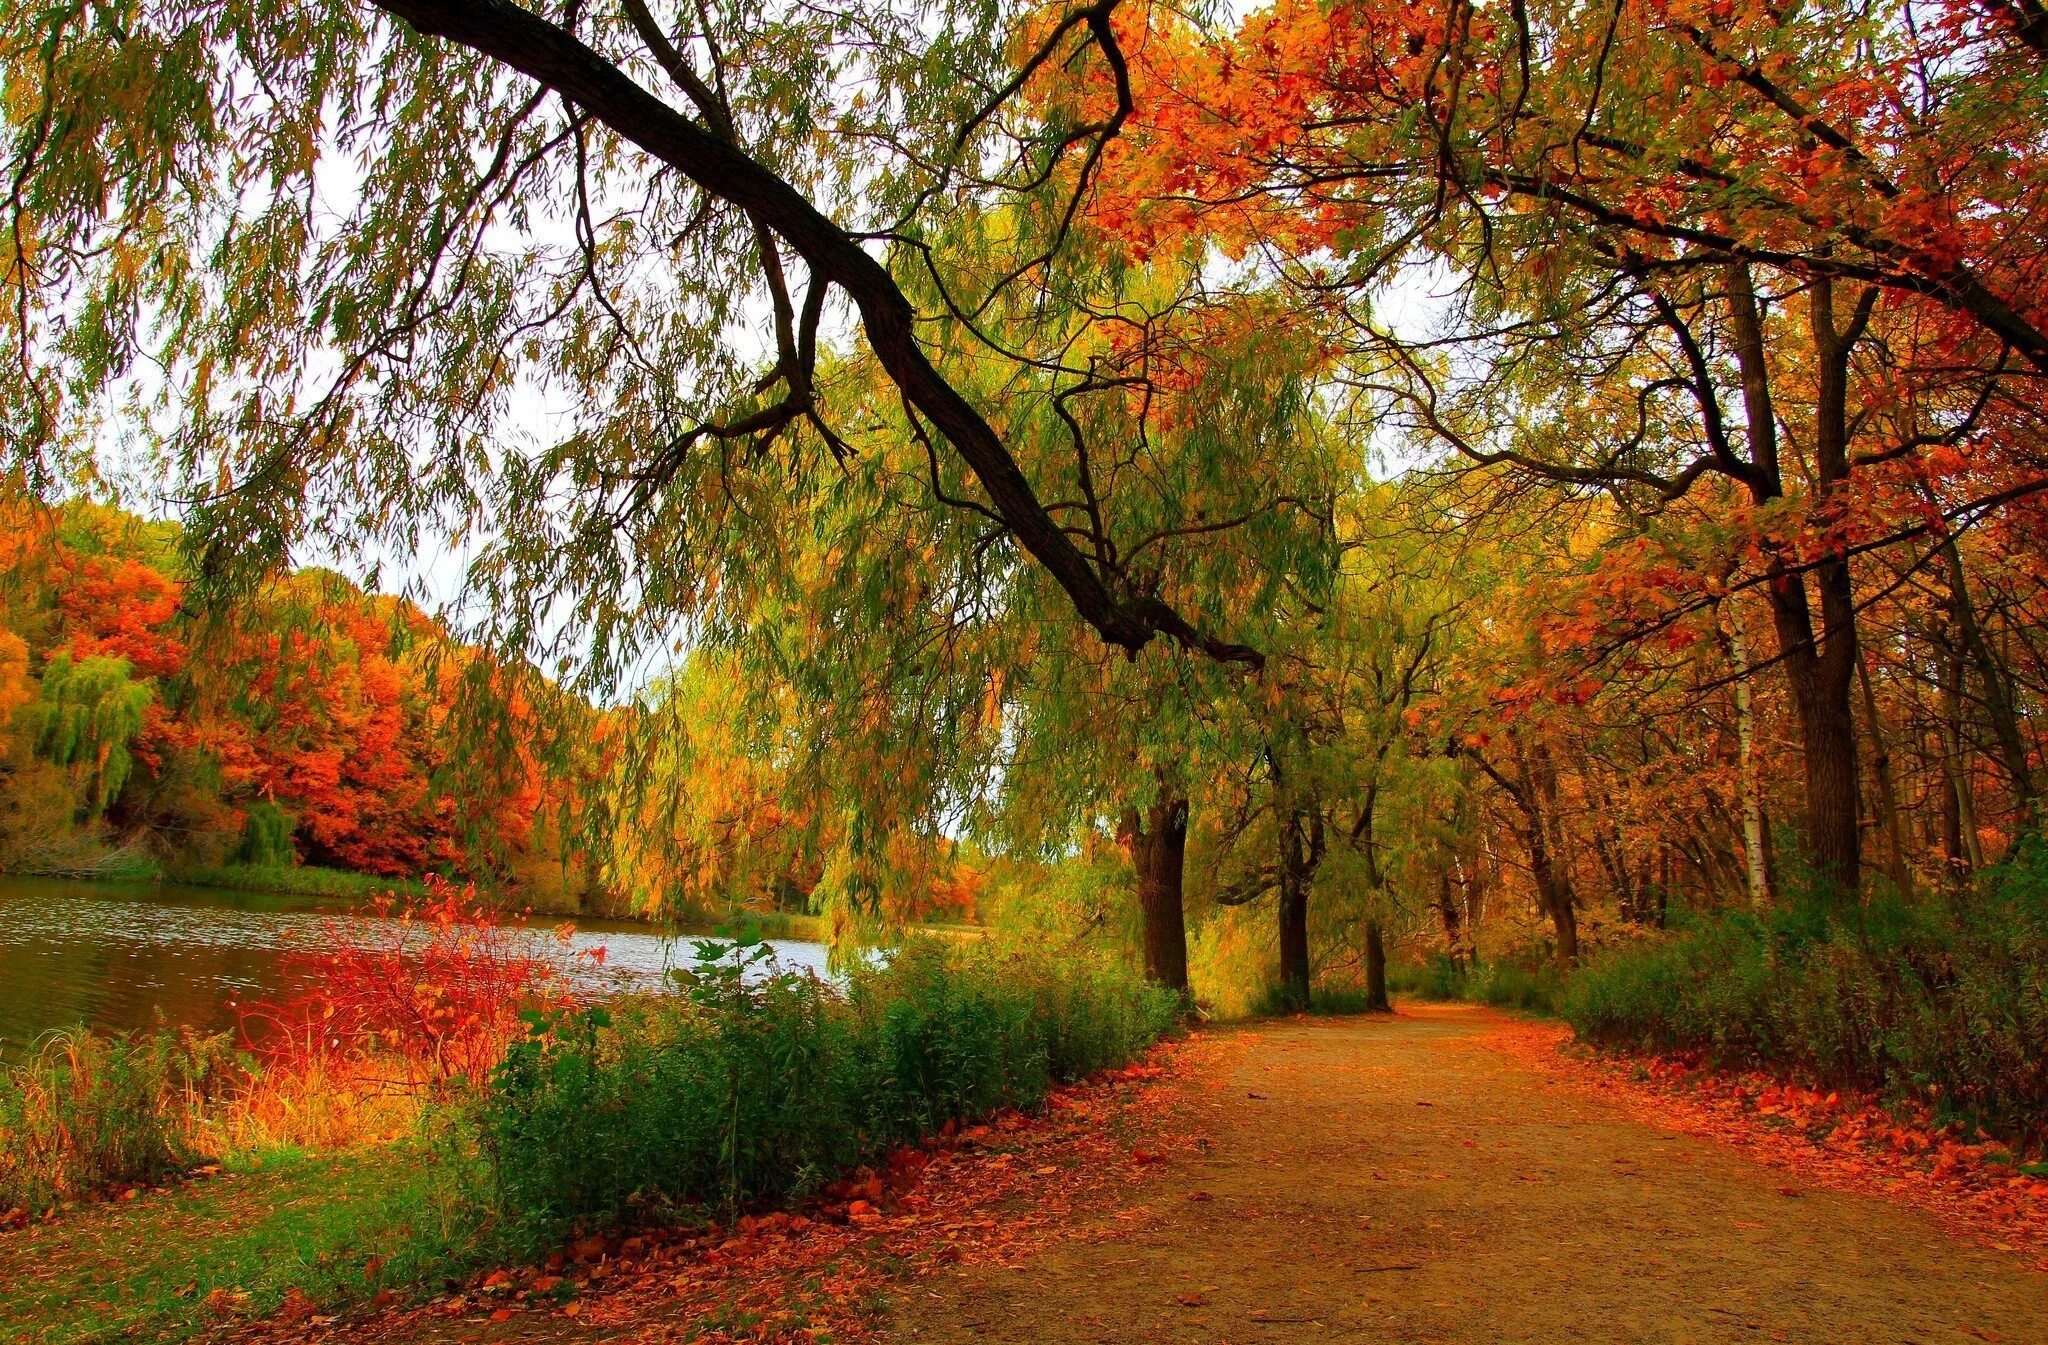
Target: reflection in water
{"x": 136, "y": 955}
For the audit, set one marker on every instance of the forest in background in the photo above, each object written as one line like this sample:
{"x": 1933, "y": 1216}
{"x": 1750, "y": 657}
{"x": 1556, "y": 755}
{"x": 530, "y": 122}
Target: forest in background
{"x": 314, "y": 726}
{"x": 319, "y": 733}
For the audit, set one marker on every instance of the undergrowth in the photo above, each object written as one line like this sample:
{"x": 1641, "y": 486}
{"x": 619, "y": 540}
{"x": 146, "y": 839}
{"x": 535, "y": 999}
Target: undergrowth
{"x": 86, "y": 1112}
{"x": 750, "y": 1088}
{"x": 1504, "y": 984}
{"x": 1943, "y": 1000}
{"x": 758, "y": 1086}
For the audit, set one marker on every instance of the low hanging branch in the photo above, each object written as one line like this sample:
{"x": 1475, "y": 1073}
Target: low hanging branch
{"x": 560, "y": 61}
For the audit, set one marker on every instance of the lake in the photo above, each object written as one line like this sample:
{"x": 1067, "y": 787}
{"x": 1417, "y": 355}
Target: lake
{"x": 135, "y": 955}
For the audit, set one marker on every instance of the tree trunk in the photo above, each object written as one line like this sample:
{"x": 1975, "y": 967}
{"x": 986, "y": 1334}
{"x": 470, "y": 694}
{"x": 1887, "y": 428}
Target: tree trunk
{"x": 1955, "y": 762}
{"x": 1376, "y": 969}
{"x": 1819, "y": 671}
{"x": 1158, "y": 843}
{"x": 1827, "y": 736}
{"x": 1837, "y": 843}
{"x": 1563, "y": 919}
{"x": 1553, "y": 885}
{"x": 1447, "y": 911}
{"x": 1300, "y": 837}
{"x": 1998, "y": 699}
{"x": 1887, "y": 798}
{"x": 1756, "y": 859}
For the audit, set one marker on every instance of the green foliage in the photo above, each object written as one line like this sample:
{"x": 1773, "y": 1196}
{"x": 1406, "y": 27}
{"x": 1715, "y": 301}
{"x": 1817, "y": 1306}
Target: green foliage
{"x": 760, "y": 1084}
{"x": 1941, "y": 1000}
{"x": 304, "y": 880}
{"x": 1323, "y": 1000}
{"x": 89, "y": 712}
{"x": 88, "y": 1111}
{"x": 267, "y": 837}
{"x": 337, "y": 1228}
{"x": 1536, "y": 988}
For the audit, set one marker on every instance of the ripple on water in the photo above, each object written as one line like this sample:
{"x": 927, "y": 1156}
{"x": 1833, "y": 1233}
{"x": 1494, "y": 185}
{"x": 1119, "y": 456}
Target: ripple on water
{"x": 123, "y": 956}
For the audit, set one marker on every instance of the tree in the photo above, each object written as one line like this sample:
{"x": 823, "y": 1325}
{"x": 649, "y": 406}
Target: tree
{"x": 87, "y": 717}
{"x": 528, "y": 220}
{"x": 1683, "y": 212}
{"x": 1348, "y": 775}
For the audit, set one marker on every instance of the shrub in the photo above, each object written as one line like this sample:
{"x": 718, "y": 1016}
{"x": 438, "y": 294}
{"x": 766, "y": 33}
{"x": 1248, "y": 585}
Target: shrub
{"x": 87, "y": 1112}
{"x": 759, "y": 1085}
{"x": 1944, "y": 1000}
{"x": 430, "y": 990}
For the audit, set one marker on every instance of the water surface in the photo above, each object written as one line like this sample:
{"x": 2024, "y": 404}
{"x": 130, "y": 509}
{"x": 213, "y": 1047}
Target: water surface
{"x": 135, "y": 955}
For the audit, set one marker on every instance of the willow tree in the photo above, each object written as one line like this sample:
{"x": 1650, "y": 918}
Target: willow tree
{"x": 556, "y": 285}
{"x": 87, "y": 717}
{"x": 1349, "y": 775}
{"x": 937, "y": 686}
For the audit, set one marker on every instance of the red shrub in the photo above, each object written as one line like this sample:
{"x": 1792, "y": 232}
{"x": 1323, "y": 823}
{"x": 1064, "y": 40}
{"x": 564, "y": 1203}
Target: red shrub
{"x": 433, "y": 988}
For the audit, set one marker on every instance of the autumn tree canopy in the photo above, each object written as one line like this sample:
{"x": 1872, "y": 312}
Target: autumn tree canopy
{"x": 1579, "y": 459}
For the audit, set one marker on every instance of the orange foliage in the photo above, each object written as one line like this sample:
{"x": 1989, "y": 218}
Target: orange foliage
{"x": 335, "y": 705}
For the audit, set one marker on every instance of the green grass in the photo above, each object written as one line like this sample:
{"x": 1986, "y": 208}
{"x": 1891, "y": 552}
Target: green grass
{"x": 145, "y": 1269}
{"x": 300, "y": 880}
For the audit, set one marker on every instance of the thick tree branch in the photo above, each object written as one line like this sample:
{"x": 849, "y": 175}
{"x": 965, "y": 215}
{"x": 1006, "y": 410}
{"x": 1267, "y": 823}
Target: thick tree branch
{"x": 525, "y": 42}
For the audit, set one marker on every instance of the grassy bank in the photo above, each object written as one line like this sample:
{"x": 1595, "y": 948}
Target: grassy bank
{"x": 752, "y": 1089}
{"x": 299, "y": 880}
{"x": 333, "y": 1229}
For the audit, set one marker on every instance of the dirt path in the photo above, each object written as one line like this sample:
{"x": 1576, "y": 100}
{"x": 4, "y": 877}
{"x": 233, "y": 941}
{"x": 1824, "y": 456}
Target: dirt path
{"x": 1399, "y": 1180}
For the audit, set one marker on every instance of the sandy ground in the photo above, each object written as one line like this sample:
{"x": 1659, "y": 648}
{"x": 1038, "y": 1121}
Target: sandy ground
{"x": 1397, "y": 1180}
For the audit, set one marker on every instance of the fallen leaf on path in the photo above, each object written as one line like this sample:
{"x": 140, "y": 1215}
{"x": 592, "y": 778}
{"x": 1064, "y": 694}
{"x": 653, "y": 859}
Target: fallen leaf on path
{"x": 793, "y": 1277}
{"x": 1834, "y": 1139}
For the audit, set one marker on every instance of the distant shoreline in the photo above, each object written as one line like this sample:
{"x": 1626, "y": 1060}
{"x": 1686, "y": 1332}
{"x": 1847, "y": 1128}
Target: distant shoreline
{"x": 343, "y": 885}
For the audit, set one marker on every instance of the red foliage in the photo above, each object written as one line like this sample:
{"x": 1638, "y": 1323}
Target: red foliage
{"x": 435, "y": 987}
{"x": 120, "y": 608}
